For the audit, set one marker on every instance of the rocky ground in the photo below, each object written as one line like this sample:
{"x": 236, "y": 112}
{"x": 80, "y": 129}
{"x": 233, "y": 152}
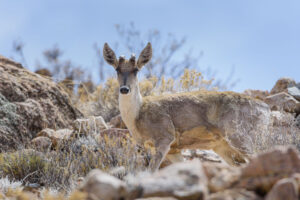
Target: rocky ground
{"x": 48, "y": 145}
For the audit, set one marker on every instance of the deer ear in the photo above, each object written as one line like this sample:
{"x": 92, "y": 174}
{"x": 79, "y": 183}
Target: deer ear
{"x": 145, "y": 56}
{"x": 109, "y": 56}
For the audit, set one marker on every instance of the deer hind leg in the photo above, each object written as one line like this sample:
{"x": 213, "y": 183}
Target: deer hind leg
{"x": 229, "y": 154}
{"x": 171, "y": 158}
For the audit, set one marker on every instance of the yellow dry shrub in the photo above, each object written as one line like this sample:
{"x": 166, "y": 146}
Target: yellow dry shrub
{"x": 193, "y": 80}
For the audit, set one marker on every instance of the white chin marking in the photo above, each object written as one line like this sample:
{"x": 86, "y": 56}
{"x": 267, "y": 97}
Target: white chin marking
{"x": 124, "y": 94}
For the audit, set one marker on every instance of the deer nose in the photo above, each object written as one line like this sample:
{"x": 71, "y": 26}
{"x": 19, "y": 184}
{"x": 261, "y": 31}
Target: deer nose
{"x": 124, "y": 90}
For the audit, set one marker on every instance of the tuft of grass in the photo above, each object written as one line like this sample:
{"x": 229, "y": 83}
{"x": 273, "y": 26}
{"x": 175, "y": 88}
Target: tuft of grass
{"x": 24, "y": 166}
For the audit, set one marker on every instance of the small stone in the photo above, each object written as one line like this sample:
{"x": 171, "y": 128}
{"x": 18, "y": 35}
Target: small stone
{"x": 295, "y": 92}
{"x": 91, "y": 125}
{"x": 41, "y": 143}
{"x": 56, "y": 136}
{"x": 100, "y": 185}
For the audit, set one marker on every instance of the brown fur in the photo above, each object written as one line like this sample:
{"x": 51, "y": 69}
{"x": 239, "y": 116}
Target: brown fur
{"x": 189, "y": 121}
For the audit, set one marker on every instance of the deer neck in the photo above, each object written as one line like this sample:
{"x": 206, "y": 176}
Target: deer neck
{"x": 129, "y": 106}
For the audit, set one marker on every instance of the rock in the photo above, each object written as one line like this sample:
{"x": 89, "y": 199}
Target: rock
{"x": 282, "y": 85}
{"x": 296, "y": 177}
{"x": 263, "y": 171}
{"x": 220, "y": 176}
{"x": 203, "y": 155}
{"x": 257, "y": 94}
{"x": 117, "y": 122}
{"x": 157, "y": 198}
{"x": 185, "y": 180}
{"x": 282, "y": 119}
{"x": 57, "y": 137}
{"x": 29, "y": 103}
{"x": 283, "y": 128}
{"x": 41, "y": 143}
{"x": 100, "y": 185}
{"x": 297, "y": 122}
{"x": 282, "y": 101}
{"x": 286, "y": 189}
{"x": 92, "y": 125}
{"x": 234, "y": 194}
{"x": 295, "y": 92}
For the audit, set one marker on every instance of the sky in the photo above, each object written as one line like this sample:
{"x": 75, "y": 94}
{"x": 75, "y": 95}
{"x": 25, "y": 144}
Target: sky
{"x": 260, "y": 39}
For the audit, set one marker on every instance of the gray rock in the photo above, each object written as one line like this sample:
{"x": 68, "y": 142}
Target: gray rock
{"x": 185, "y": 180}
{"x": 282, "y": 101}
{"x": 234, "y": 194}
{"x": 263, "y": 171}
{"x": 295, "y": 92}
{"x": 100, "y": 185}
{"x": 284, "y": 189}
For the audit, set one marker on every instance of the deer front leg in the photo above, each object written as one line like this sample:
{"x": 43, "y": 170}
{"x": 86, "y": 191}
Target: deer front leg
{"x": 162, "y": 149}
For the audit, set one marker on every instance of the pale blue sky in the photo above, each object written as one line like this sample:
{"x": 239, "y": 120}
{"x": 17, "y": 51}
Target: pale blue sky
{"x": 261, "y": 38}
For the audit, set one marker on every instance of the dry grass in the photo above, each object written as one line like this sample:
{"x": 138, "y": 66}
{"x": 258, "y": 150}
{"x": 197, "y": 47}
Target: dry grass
{"x": 75, "y": 158}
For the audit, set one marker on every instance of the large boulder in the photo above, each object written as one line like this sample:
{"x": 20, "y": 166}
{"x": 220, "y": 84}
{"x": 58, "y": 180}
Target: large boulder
{"x": 29, "y": 103}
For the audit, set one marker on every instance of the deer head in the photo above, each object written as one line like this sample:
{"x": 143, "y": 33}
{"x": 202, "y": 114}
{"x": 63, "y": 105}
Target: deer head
{"x": 127, "y": 69}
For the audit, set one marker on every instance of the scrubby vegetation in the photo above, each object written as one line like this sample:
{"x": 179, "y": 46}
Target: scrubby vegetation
{"x": 61, "y": 168}
{"x": 73, "y": 159}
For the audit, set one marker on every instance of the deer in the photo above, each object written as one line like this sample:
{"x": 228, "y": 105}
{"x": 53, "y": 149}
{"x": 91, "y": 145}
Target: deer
{"x": 173, "y": 122}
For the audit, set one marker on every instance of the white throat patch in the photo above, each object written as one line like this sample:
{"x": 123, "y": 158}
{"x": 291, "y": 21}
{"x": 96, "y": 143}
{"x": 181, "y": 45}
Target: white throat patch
{"x": 129, "y": 106}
